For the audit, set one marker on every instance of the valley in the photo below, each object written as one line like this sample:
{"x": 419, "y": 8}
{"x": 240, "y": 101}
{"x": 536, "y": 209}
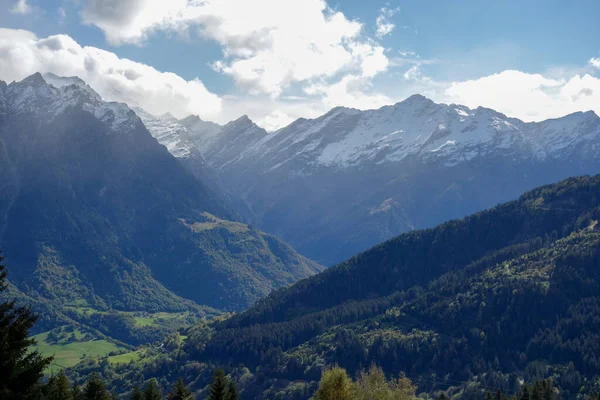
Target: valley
{"x": 138, "y": 241}
{"x": 408, "y": 166}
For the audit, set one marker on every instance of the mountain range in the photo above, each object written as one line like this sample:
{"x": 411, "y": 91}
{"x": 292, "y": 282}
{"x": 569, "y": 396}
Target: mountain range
{"x": 112, "y": 218}
{"x": 407, "y": 166}
{"x": 479, "y": 304}
{"x": 95, "y": 213}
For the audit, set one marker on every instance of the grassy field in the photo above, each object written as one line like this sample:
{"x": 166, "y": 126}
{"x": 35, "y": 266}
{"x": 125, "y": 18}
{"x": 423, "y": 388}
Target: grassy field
{"x": 212, "y": 222}
{"x": 159, "y": 318}
{"x": 68, "y": 353}
{"x": 70, "y": 346}
{"x": 124, "y": 358}
{"x": 142, "y": 319}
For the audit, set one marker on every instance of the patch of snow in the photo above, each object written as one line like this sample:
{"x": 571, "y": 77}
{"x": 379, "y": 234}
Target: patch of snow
{"x": 448, "y": 143}
{"x": 460, "y": 112}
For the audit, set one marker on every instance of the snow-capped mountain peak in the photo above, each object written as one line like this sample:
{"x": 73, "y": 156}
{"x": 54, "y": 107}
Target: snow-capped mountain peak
{"x": 243, "y": 122}
{"x": 414, "y": 128}
{"x": 36, "y": 95}
{"x": 62, "y": 81}
{"x": 169, "y": 132}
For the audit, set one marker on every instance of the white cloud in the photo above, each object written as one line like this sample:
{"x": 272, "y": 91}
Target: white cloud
{"x": 595, "y": 62}
{"x": 23, "y": 53}
{"x": 384, "y": 26}
{"x": 275, "y": 120}
{"x": 21, "y": 7}
{"x": 530, "y": 97}
{"x": 414, "y": 73}
{"x": 114, "y": 78}
{"x": 62, "y": 13}
{"x": 350, "y": 91}
{"x": 267, "y": 44}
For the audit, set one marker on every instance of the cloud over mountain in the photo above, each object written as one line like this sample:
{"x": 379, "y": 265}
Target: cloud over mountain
{"x": 118, "y": 79}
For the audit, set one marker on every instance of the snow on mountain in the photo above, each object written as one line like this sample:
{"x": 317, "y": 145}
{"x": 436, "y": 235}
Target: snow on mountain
{"x": 62, "y": 81}
{"x": 169, "y": 132}
{"x": 335, "y": 185}
{"x": 35, "y": 94}
{"x": 346, "y": 138}
{"x": 201, "y": 132}
{"x": 416, "y": 127}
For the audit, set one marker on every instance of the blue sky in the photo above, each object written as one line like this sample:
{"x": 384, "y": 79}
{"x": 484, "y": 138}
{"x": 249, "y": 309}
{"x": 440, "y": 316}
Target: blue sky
{"x": 274, "y": 62}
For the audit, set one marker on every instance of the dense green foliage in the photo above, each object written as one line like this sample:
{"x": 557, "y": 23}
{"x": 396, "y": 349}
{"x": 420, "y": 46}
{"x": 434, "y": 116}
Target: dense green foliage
{"x": 20, "y": 368}
{"x": 370, "y": 384}
{"x": 180, "y": 392}
{"x": 540, "y": 390}
{"x": 218, "y": 387}
{"x": 504, "y": 296}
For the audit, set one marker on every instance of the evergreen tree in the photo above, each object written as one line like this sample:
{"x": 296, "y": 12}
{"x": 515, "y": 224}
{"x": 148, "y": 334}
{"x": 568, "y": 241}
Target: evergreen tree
{"x": 95, "y": 389}
{"x": 58, "y": 388}
{"x": 218, "y": 387}
{"x": 179, "y": 392}
{"x": 137, "y": 394}
{"x": 77, "y": 392}
{"x": 525, "y": 394}
{"x": 232, "y": 393}
{"x": 152, "y": 390}
{"x": 20, "y": 370}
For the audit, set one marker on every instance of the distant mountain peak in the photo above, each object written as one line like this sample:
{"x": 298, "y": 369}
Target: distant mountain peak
{"x": 52, "y": 95}
{"x": 417, "y": 99}
{"x": 242, "y": 124}
{"x": 243, "y": 120}
{"x": 65, "y": 81}
{"x": 49, "y": 77}
{"x": 33, "y": 79}
{"x": 169, "y": 117}
{"x": 191, "y": 118}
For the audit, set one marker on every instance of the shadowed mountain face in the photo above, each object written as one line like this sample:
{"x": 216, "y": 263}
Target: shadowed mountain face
{"x": 93, "y": 209}
{"x": 338, "y": 184}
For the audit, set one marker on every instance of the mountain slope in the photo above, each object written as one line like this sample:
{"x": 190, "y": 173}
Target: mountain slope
{"x": 504, "y": 295}
{"x": 408, "y": 166}
{"x": 93, "y": 210}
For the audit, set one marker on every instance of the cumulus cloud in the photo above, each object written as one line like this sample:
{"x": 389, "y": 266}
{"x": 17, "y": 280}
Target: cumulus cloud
{"x": 275, "y": 120}
{"x": 267, "y": 44}
{"x": 384, "y": 26}
{"x": 350, "y": 91}
{"x": 21, "y": 7}
{"x": 595, "y": 62}
{"x": 530, "y": 97}
{"x": 114, "y": 78}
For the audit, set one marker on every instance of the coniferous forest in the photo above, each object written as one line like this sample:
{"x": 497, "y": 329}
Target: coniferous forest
{"x": 501, "y": 303}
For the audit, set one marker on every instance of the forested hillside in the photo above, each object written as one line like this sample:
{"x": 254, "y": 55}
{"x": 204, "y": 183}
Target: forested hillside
{"x": 505, "y": 295}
